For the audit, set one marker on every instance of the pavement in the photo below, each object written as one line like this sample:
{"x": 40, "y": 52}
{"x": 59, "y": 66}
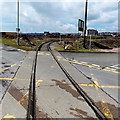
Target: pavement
{"x": 55, "y": 95}
{"x": 11, "y": 59}
{"x": 114, "y": 50}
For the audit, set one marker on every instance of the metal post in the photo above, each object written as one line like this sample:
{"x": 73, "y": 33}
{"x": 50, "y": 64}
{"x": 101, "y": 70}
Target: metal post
{"x": 18, "y": 29}
{"x": 90, "y": 43}
{"x": 60, "y": 37}
{"x": 85, "y": 26}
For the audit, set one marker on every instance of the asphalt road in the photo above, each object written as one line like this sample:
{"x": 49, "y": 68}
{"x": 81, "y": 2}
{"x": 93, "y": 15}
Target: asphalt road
{"x": 107, "y": 80}
{"x": 102, "y": 59}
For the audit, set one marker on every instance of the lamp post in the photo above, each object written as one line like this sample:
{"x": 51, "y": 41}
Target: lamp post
{"x": 85, "y": 24}
{"x": 18, "y": 29}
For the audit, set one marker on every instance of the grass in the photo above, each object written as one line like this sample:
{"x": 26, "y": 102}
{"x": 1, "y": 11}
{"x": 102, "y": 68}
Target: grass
{"x": 77, "y": 43}
{"x": 110, "y": 42}
{"x": 79, "y": 50}
{"x": 13, "y": 43}
{"x": 23, "y": 44}
{"x": 60, "y": 48}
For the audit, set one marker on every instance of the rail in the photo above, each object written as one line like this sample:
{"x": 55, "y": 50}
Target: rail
{"x": 31, "y": 112}
{"x": 89, "y": 101}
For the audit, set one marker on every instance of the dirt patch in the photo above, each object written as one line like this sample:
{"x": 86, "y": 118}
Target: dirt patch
{"x": 79, "y": 113}
{"x": 114, "y": 50}
{"x": 109, "y": 110}
{"x": 23, "y": 100}
{"x": 7, "y": 65}
{"x": 66, "y": 87}
{"x": 41, "y": 114}
{"x": 13, "y": 50}
{"x": 18, "y": 95}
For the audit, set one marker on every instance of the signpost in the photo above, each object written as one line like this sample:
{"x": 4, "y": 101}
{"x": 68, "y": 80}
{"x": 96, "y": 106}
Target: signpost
{"x": 80, "y": 25}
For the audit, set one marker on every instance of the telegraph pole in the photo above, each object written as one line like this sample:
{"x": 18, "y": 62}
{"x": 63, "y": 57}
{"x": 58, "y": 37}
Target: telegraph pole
{"x": 18, "y": 29}
{"x": 85, "y": 25}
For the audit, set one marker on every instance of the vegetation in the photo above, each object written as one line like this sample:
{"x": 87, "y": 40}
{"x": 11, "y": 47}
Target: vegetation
{"x": 72, "y": 43}
{"x": 13, "y": 43}
{"x": 23, "y": 43}
{"x": 97, "y": 42}
{"x": 60, "y": 48}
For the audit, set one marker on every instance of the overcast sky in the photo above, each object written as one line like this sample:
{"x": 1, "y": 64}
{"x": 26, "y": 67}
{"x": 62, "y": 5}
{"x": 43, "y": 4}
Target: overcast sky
{"x": 54, "y": 16}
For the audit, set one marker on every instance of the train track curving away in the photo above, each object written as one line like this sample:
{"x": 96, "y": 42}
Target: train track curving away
{"x": 31, "y": 112}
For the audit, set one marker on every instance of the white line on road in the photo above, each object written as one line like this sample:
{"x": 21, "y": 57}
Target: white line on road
{"x": 96, "y": 65}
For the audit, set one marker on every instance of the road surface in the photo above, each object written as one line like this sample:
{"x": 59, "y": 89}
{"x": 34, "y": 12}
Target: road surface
{"x": 56, "y": 97}
{"x": 108, "y": 80}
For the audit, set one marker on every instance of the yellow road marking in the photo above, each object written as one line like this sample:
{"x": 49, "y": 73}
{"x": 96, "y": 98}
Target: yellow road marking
{"x": 12, "y": 79}
{"x": 9, "y": 117}
{"x": 110, "y": 86}
{"x": 96, "y": 84}
{"x": 25, "y": 96}
{"x": 40, "y": 54}
{"x": 21, "y": 50}
{"x": 46, "y": 54}
{"x": 38, "y": 83}
{"x": 90, "y": 85}
{"x": 8, "y": 67}
{"x": 87, "y": 85}
{"x": 106, "y": 110}
{"x": 91, "y": 66}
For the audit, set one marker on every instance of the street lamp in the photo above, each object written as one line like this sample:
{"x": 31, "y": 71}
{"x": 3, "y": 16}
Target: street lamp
{"x": 85, "y": 24}
{"x": 18, "y": 29}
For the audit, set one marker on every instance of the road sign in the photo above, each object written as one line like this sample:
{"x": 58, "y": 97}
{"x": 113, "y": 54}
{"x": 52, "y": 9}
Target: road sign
{"x": 80, "y": 25}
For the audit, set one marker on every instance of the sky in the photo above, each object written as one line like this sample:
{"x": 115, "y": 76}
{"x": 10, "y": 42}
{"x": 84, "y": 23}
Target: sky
{"x": 58, "y": 16}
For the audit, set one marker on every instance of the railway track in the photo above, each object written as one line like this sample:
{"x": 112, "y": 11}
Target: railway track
{"x": 31, "y": 112}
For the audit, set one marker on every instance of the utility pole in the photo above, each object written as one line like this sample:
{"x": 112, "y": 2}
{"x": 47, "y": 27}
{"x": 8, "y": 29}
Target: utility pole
{"x": 18, "y": 29}
{"x": 85, "y": 25}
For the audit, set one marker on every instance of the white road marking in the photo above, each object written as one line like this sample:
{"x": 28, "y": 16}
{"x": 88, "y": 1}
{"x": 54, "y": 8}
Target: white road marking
{"x": 110, "y": 68}
{"x": 96, "y": 65}
{"x": 83, "y": 62}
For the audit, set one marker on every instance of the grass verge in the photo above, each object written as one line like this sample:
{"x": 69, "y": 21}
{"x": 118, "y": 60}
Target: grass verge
{"x": 13, "y": 43}
{"x": 79, "y": 50}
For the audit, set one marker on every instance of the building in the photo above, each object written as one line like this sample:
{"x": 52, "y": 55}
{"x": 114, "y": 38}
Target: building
{"x": 46, "y": 33}
{"x": 9, "y": 33}
{"x": 113, "y": 34}
{"x": 92, "y": 32}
